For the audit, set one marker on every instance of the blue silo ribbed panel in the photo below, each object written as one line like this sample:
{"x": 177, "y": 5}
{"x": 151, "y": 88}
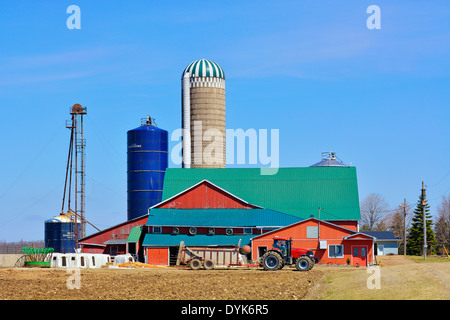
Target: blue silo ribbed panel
{"x": 147, "y": 159}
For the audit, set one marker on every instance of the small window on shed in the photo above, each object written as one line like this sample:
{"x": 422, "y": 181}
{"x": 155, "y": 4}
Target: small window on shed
{"x": 261, "y": 251}
{"x": 157, "y": 230}
{"x": 312, "y": 232}
{"x": 248, "y": 230}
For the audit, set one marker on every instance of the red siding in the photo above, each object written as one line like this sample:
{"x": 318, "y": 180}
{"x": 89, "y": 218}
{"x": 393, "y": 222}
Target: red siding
{"x": 349, "y": 224}
{"x": 120, "y": 231}
{"x": 206, "y": 196}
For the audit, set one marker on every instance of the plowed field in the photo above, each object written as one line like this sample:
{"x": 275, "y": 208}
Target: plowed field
{"x": 156, "y": 284}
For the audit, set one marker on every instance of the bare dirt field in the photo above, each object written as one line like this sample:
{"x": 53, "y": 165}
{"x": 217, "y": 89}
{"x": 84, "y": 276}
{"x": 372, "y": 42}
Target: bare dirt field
{"x": 157, "y": 284}
{"x": 401, "y": 279}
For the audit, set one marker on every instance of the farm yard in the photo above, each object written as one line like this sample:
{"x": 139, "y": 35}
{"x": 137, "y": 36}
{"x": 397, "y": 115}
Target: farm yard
{"x": 401, "y": 278}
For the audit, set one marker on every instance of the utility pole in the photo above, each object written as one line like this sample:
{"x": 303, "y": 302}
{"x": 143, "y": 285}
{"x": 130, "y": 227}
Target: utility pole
{"x": 424, "y": 202}
{"x": 404, "y": 227}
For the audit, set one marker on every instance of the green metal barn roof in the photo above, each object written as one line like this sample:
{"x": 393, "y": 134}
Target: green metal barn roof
{"x": 296, "y": 191}
{"x": 219, "y": 218}
{"x": 135, "y": 234}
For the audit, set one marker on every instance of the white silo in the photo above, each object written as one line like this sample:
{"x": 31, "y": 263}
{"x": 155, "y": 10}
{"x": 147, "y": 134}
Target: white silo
{"x": 203, "y": 115}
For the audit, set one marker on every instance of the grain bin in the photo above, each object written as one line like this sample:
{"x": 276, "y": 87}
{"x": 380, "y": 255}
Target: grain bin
{"x": 147, "y": 159}
{"x": 203, "y": 115}
{"x": 59, "y": 233}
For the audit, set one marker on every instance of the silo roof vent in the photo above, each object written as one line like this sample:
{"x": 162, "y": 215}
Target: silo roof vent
{"x": 329, "y": 159}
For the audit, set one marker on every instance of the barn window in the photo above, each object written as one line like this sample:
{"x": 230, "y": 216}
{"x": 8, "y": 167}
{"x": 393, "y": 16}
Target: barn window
{"x": 335, "y": 251}
{"x": 157, "y": 230}
{"x": 248, "y": 230}
{"x": 312, "y": 232}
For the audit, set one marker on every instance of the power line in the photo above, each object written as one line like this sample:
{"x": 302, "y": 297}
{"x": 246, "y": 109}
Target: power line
{"x": 29, "y": 165}
{"x": 435, "y": 184}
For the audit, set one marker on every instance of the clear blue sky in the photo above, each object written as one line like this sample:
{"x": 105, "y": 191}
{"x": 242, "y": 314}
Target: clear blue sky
{"x": 312, "y": 69}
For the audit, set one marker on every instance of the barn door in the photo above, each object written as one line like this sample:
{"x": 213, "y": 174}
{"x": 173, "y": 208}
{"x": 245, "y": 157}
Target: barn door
{"x": 158, "y": 256}
{"x": 359, "y": 255}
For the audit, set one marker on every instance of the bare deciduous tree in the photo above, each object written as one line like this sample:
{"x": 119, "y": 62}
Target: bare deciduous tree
{"x": 373, "y": 210}
{"x": 396, "y": 223}
{"x": 442, "y": 222}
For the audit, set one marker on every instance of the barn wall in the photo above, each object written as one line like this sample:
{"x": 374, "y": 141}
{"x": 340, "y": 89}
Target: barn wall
{"x": 349, "y": 224}
{"x": 92, "y": 249}
{"x": 120, "y": 231}
{"x": 205, "y": 196}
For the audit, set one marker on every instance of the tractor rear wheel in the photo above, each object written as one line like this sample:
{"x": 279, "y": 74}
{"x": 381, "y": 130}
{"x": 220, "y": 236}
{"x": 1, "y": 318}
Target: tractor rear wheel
{"x": 304, "y": 264}
{"x": 272, "y": 261}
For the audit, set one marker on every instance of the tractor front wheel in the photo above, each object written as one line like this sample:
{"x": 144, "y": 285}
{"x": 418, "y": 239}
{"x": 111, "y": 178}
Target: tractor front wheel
{"x": 304, "y": 264}
{"x": 272, "y": 261}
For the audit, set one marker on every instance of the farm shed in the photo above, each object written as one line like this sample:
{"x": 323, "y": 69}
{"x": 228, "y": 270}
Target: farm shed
{"x": 331, "y": 243}
{"x": 385, "y": 242}
{"x": 134, "y": 242}
{"x": 111, "y": 241}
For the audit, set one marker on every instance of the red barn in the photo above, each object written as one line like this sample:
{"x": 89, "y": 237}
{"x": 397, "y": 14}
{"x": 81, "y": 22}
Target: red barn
{"x": 205, "y": 215}
{"x": 113, "y": 240}
{"x": 330, "y": 242}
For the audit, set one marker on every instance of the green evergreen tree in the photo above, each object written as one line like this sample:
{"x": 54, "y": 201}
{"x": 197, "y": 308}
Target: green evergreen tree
{"x": 415, "y": 239}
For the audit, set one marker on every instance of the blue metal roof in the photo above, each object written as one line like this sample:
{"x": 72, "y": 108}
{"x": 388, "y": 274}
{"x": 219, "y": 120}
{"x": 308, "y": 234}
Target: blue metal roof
{"x": 219, "y": 218}
{"x": 156, "y": 239}
{"x": 382, "y": 235}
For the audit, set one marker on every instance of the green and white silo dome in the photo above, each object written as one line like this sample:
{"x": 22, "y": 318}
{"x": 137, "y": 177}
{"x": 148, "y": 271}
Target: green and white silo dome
{"x": 203, "y": 115}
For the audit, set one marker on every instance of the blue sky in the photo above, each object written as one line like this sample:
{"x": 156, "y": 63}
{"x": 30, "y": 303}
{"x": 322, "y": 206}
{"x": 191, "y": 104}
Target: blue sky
{"x": 312, "y": 69}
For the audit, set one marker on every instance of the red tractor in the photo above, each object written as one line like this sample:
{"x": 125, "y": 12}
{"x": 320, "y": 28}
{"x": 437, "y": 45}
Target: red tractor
{"x": 283, "y": 254}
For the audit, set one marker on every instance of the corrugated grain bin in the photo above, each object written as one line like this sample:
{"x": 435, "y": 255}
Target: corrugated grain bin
{"x": 147, "y": 158}
{"x": 59, "y": 234}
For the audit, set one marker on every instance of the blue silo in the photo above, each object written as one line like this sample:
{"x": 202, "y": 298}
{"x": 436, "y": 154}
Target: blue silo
{"x": 147, "y": 159}
{"x": 59, "y": 233}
